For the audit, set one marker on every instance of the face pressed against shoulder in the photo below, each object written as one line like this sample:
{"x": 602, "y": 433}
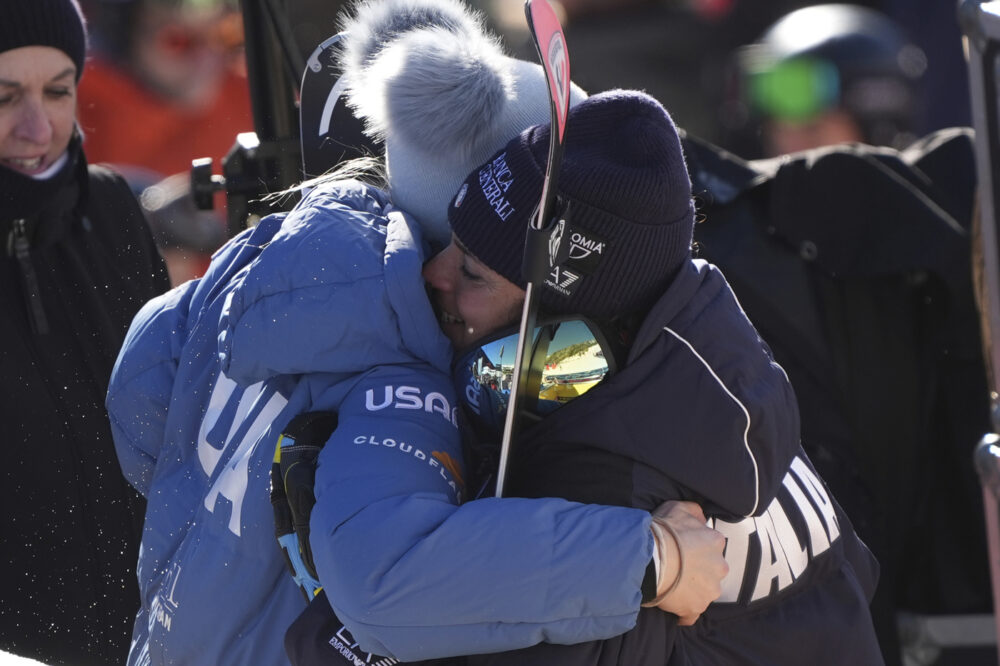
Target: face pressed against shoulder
{"x": 37, "y": 107}
{"x": 470, "y": 299}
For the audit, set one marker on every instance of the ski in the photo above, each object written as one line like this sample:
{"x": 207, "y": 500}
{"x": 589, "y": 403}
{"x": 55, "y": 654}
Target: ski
{"x": 542, "y": 243}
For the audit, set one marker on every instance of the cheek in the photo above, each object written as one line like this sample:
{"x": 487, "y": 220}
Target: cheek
{"x": 477, "y": 310}
{"x": 6, "y": 130}
{"x": 63, "y": 119}
{"x": 487, "y": 312}
{"x": 472, "y": 306}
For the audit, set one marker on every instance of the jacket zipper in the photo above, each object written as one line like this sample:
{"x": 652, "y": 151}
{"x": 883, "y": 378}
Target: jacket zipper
{"x": 20, "y": 246}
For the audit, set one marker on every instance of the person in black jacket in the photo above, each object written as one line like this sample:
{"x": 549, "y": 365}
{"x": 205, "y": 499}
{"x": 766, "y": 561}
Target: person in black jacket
{"x": 78, "y": 261}
{"x": 692, "y": 407}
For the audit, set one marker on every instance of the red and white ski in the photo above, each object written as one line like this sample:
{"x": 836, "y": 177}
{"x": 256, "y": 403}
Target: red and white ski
{"x": 541, "y": 245}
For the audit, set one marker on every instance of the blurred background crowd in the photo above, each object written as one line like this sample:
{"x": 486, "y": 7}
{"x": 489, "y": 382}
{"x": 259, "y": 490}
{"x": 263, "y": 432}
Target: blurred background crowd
{"x": 165, "y": 83}
{"x": 166, "y": 80}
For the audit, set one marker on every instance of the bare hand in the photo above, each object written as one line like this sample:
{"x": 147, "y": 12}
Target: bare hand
{"x": 691, "y": 563}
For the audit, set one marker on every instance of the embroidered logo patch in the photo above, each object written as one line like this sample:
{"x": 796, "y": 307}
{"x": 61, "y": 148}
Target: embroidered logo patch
{"x": 555, "y": 242}
{"x": 586, "y": 250}
{"x": 563, "y": 280}
{"x": 461, "y": 195}
{"x": 495, "y": 179}
{"x": 344, "y": 643}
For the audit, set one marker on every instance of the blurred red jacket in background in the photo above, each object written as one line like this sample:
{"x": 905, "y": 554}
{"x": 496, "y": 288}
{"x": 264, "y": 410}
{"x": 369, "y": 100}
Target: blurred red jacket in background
{"x": 126, "y": 125}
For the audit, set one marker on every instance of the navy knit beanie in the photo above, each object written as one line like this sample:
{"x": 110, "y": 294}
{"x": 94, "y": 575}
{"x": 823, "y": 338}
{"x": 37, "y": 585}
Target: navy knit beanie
{"x": 630, "y": 212}
{"x": 55, "y": 23}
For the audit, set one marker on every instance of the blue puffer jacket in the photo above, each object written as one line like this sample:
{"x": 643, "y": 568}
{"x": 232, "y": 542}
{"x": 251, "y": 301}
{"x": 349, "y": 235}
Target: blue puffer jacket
{"x": 325, "y": 309}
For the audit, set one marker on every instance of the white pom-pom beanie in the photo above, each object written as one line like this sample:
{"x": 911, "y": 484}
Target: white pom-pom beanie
{"x": 431, "y": 82}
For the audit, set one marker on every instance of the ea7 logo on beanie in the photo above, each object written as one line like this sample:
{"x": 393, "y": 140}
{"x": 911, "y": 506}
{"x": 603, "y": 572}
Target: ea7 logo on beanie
{"x": 563, "y": 280}
{"x": 495, "y": 179}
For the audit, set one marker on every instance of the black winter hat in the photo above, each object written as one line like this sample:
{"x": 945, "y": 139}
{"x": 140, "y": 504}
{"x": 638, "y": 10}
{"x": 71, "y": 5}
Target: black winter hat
{"x": 630, "y": 212}
{"x": 55, "y": 23}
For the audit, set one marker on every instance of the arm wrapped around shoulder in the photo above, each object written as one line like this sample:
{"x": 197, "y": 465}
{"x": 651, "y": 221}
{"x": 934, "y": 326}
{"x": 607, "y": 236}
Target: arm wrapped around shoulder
{"x": 414, "y": 574}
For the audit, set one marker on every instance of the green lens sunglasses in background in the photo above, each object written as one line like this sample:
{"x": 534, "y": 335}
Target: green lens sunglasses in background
{"x": 795, "y": 89}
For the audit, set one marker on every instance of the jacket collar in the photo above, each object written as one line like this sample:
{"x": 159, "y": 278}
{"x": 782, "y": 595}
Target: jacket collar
{"x": 44, "y": 204}
{"x": 677, "y": 296}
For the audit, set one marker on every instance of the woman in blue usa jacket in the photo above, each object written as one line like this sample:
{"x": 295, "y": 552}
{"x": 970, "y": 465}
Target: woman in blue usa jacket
{"x": 325, "y": 309}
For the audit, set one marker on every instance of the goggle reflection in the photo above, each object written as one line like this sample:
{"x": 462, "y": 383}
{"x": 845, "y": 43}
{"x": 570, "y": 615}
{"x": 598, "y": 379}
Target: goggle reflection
{"x": 569, "y": 357}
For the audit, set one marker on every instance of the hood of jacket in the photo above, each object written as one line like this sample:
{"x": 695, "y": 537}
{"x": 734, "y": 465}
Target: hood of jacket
{"x": 700, "y": 400}
{"x": 337, "y": 288}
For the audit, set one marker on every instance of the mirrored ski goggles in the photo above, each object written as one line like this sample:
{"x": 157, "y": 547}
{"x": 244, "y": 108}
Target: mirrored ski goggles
{"x": 569, "y": 357}
{"x": 795, "y": 89}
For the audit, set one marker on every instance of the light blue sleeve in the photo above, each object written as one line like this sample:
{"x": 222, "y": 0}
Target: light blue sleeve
{"x": 415, "y": 575}
{"x": 142, "y": 382}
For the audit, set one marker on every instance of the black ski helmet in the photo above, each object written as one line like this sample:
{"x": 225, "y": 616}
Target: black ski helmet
{"x": 835, "y": 55}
